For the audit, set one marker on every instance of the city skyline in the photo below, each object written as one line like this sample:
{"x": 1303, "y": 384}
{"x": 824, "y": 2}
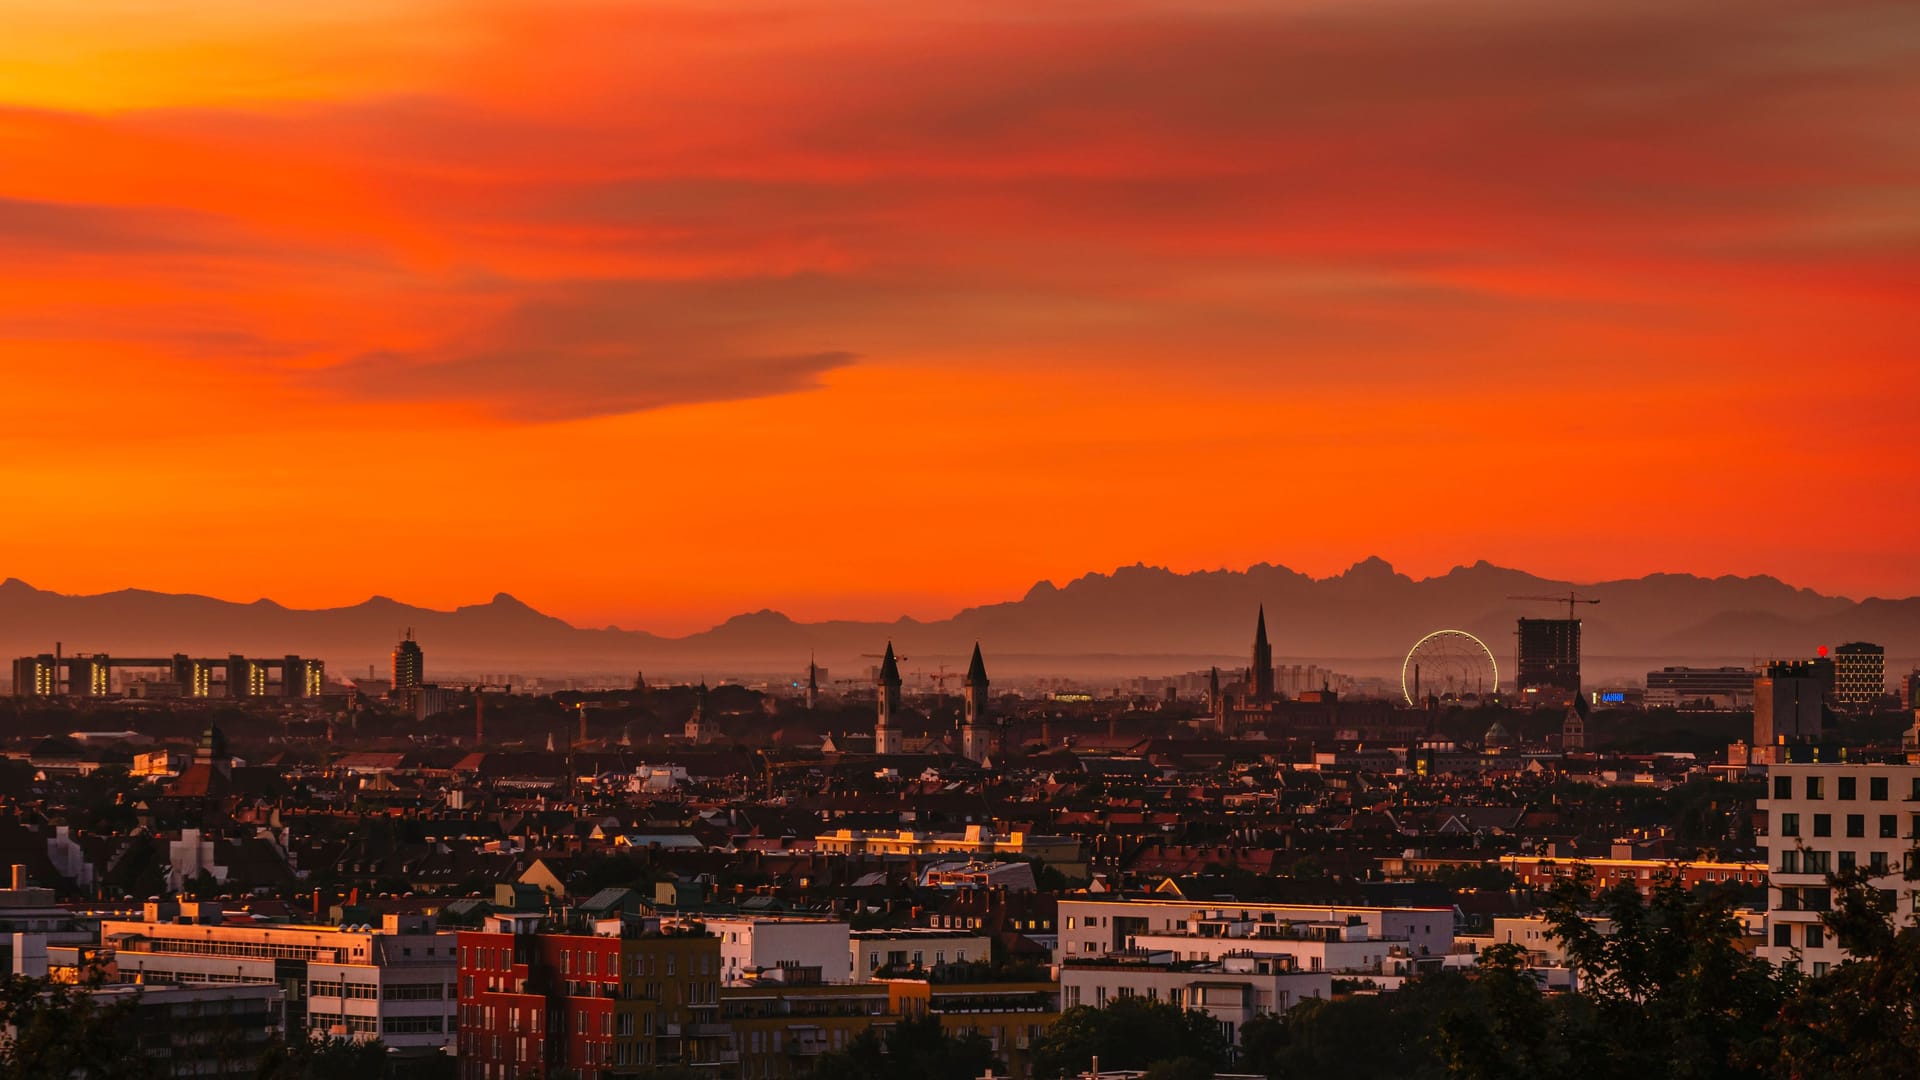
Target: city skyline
{"x": 653, "y": 315}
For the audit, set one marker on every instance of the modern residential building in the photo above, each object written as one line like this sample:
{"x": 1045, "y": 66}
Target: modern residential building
{"x": 1829, "y": 818}
{"x": 1859, "y": 675}
{"x": 624, "y": 996}
{"x": 393, "y": 982}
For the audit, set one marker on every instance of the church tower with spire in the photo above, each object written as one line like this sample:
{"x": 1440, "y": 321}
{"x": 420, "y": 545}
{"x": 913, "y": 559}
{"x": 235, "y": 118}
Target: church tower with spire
{"x": 976, "y": 738}
{"x": 813, "y": 684}
{"x": 697, "y": 730}
{"x": 1260, "y": 679}
{"x": 887, "y": 738}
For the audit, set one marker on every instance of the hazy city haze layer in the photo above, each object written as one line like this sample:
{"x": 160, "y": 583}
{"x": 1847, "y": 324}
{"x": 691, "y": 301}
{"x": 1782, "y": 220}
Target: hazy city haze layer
{"x": 1134, "y": 618}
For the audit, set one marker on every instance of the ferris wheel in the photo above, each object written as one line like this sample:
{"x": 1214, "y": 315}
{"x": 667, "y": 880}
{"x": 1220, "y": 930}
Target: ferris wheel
{"x": 1450, "y": 663}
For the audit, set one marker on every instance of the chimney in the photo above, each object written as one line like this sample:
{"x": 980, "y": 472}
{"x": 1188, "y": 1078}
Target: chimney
{"x": 19, "y": 876}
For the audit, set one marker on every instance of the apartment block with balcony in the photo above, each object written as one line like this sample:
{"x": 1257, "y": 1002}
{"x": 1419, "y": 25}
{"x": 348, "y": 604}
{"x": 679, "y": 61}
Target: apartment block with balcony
{"x": 879, "y": 954}
{"x": 1337, "y": 939}
{"x": 1232, "y": 989}
{"x": 780, "y": 1030}
{"x": 623, "y": 997}
{"x": 1824, "y": 819}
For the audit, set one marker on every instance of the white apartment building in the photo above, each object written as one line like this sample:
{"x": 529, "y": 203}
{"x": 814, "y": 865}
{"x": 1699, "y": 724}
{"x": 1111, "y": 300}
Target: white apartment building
{"x": 394, "y": 982}
{"x": 1232, "y": 991}
{"x": 752, "y": 943}
{"x": 1532, "y": 933}
{"x": 1338, "y": 939}
{"x": 1824, "y": 819}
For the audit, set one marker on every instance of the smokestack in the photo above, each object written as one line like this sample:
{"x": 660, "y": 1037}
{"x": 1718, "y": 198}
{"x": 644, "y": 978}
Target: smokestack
{"x": 19, "y": 875}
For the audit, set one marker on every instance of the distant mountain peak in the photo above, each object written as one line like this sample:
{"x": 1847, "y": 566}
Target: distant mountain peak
{"x": 1372, "y": 568}
{"x": 763, "y": 617}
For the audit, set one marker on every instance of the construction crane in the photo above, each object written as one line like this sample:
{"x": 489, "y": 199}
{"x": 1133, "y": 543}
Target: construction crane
{"x": 937, "y": 678}
{"x": 1570, "y": 600}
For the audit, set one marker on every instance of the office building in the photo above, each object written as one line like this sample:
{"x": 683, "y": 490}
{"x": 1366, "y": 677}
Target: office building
{"x": 1712, "y": 688}
{"x": 1787, "y": 707}
{"x": 1859, "y": 675}
{"x": 1541, "y": 873}
{"x": 1549, "y": 660}
{"x": 393, "y": 982}
{"x": 1060, "y": 852}
{"x": 1826, "y": 819}
{"x": 207, "y": 1032}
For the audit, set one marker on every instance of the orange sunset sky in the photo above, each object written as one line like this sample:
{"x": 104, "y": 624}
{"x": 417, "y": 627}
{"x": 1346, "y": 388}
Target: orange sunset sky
{"x": 650, "y": 312}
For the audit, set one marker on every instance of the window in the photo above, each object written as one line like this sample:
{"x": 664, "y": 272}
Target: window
{"x": 1846, "y": 861}
{"x": 1816, "y": 936}
{"x": 1783, "y": 787}
{"x": 1789, "y": 824}
{"x": 1816, "y": 787}
{"x": 1856, "y": 826}
{"x": 1877, "y": 788}
{"x": 1846, "y": 787}
{"x": 1816, "y": 862}
{"x": 1877, "y": 862}
{"x": 1889, "y": 826}
{"x": 1790, "y": 862}
{"x": 1783, "y": 936}
{"x": 1823, "y": 824}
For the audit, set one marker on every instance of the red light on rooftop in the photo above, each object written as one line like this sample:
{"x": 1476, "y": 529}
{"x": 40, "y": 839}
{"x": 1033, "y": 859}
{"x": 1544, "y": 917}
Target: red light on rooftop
{"x": 1823, "y": 650}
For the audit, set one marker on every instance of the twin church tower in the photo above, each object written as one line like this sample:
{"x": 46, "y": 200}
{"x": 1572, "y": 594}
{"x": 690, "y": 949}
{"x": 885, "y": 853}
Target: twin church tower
{"x": 976, "y": 735}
